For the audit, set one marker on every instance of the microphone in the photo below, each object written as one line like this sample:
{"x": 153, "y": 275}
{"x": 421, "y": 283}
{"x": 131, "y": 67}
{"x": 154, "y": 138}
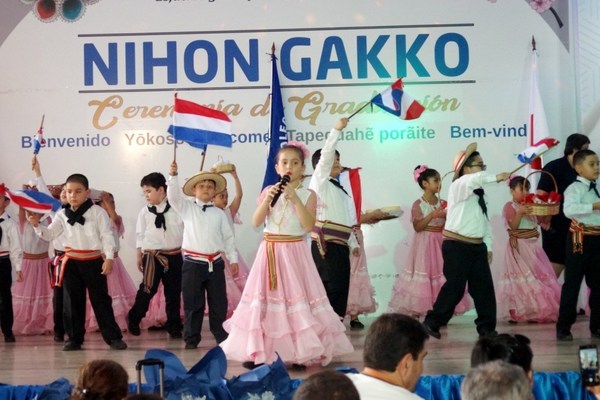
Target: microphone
{"x": 284, "y": 181}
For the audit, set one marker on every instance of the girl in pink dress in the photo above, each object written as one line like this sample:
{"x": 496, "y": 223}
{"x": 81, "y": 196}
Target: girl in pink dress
{"x": 121, "y": 287}
{"x": 284, "y": 307}
{"x": 32, "y": 296}
{"x": 527, "y": 289}
{"x": 419, "y": 283}
{"x": 235, "y": 284}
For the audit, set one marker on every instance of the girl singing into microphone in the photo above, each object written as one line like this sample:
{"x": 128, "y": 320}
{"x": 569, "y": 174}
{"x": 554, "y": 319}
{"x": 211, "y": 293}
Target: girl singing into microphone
{"x": 284, "y": 307}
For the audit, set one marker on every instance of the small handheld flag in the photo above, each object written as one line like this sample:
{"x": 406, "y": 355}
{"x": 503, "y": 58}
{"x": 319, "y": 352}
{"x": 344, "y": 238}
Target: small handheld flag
{"x": 198, "y": 125}
{"x": 31, "y": 200}
{"x": 533, "y": 152}
{"x": 396, "y": 101}
{"x": 38, "y": 139}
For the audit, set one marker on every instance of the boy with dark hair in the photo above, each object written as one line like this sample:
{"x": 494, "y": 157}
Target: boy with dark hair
{"x": 582, "y": 259}
{"x": 393, "y": 356}
{"x": 11, "y": 257}
{"x": 563, "y": 171}
{"x": 89, "y": 251}
{"x": 159, "y": 233}
{"x": 332, "y": 236}
{"x": 467, "y": 246}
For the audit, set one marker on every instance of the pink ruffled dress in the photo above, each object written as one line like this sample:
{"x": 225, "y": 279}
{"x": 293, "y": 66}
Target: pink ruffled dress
{"x": 418, "y": 284}
{"x": 32, "y": 298}
{"x": 361, "y": 295}
{"x": 285, "y": 309}
{"x": 527, "y": 289}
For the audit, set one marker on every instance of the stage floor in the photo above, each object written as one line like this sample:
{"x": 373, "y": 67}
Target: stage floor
{"x": 38, "y": 360}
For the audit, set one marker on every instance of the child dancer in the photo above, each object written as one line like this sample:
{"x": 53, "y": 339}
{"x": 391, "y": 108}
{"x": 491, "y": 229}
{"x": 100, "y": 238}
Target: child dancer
{"x": 284, "y": 307}
{"x": 206, "y": 234}
{"x": 11, "y": 257}
{"x": 32, "y": 297}
{"x": 235, "y": 284}
{"x": 159, "y": 233}
{"x": 419, "y": 283}
{"x": 521, "y": 294}
{"x": 467, "y": 246}
{"x": 121, "y": 288}
{"x": 88, "y": 239}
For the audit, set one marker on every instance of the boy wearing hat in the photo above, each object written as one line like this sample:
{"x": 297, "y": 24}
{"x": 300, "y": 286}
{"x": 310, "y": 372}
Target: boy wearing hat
{"x": 467, "y": 246}
{"x": 206, "y": 233}
{"x": 10, "y": 255}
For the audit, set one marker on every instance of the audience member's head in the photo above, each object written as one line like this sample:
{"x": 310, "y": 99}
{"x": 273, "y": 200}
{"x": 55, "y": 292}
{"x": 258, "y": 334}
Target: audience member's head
{"x": 513, "y": 349}
{"x": 327, "y": 385}
{"x": 101, "y": 380}
{"x": 394, "y": 350}
{"x": 496, "y": 380}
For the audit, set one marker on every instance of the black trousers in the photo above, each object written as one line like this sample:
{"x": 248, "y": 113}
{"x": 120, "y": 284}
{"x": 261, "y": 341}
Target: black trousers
{"x": 171, "y": 280}
{"x": 578, "y": 266}
{"x": 334, "y": 270}
{"x": 199, "y": 286}
{"x": 57, "y": 310}
{"x": 79, "y": 276}
{"x": 6, "y": 306}
{"x": 465, "y": 263}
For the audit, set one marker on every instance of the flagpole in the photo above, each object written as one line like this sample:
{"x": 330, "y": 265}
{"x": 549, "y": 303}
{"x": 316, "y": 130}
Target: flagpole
{"x": 537, "y": 156}
{"x": 39, "y": 130}
{"x": 359, "y": 110}
{"x": 174, "y": 128}
{"x": 203, "y": 157}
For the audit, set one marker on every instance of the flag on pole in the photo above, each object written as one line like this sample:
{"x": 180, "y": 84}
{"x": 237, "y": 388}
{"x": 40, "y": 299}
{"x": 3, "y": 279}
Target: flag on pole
{"x": 38, "y": 139}
{"x": 32, "y": 200}
{"x": 350, "y": 178}
{"x": 198, "y": 125}
{"x": 528, "y": 156}
{"x": 538, "y": 125}
{"x": 396, "y": 101}
{"x": 278, "y": 127}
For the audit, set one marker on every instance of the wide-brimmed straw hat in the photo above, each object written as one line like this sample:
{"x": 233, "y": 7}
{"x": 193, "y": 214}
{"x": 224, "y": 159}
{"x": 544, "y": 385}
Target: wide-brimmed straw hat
{"x": 460, "y": 159}
{"x": 220, "y": 182}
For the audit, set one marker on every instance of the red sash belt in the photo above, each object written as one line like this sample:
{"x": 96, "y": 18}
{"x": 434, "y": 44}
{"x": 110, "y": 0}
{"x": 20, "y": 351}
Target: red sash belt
{"x": 72, "y": 254}
{"x": 208, "y": 258}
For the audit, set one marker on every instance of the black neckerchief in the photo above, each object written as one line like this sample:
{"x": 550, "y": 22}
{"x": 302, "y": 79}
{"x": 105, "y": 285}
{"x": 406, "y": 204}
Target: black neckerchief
{"x": 338, "y": 184}
{"x": 77, "y": 215}
{"x": 480, "y": 192}
{"x": 159, "y": 221}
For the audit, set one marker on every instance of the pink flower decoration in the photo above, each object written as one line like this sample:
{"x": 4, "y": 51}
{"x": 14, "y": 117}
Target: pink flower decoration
{"x": 301, "y": 146}
{"x": 541, "y": 5}
{"x": 419, "y": 171}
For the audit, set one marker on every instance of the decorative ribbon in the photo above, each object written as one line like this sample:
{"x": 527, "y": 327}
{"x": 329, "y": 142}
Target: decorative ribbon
{"x": 327, "y": 231}
{"x": 151, "y": 256}
{"x": 270, "y": 240}
{"x": 579, "y": 230}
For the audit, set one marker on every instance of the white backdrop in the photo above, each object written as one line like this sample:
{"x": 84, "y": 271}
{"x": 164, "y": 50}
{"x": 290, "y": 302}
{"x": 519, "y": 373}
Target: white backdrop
{"x": 106, "y": 82}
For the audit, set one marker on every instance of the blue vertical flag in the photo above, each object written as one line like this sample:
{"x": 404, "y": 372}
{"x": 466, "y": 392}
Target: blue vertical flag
{"x": 278, "y": 128}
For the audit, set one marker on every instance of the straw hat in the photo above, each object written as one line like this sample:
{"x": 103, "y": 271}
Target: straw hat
{"x": 460, "y": 158}
{"x": 220, "y": 182}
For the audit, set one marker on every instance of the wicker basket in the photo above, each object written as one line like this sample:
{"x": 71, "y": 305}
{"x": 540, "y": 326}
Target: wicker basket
{"x": 544, "y": 209}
